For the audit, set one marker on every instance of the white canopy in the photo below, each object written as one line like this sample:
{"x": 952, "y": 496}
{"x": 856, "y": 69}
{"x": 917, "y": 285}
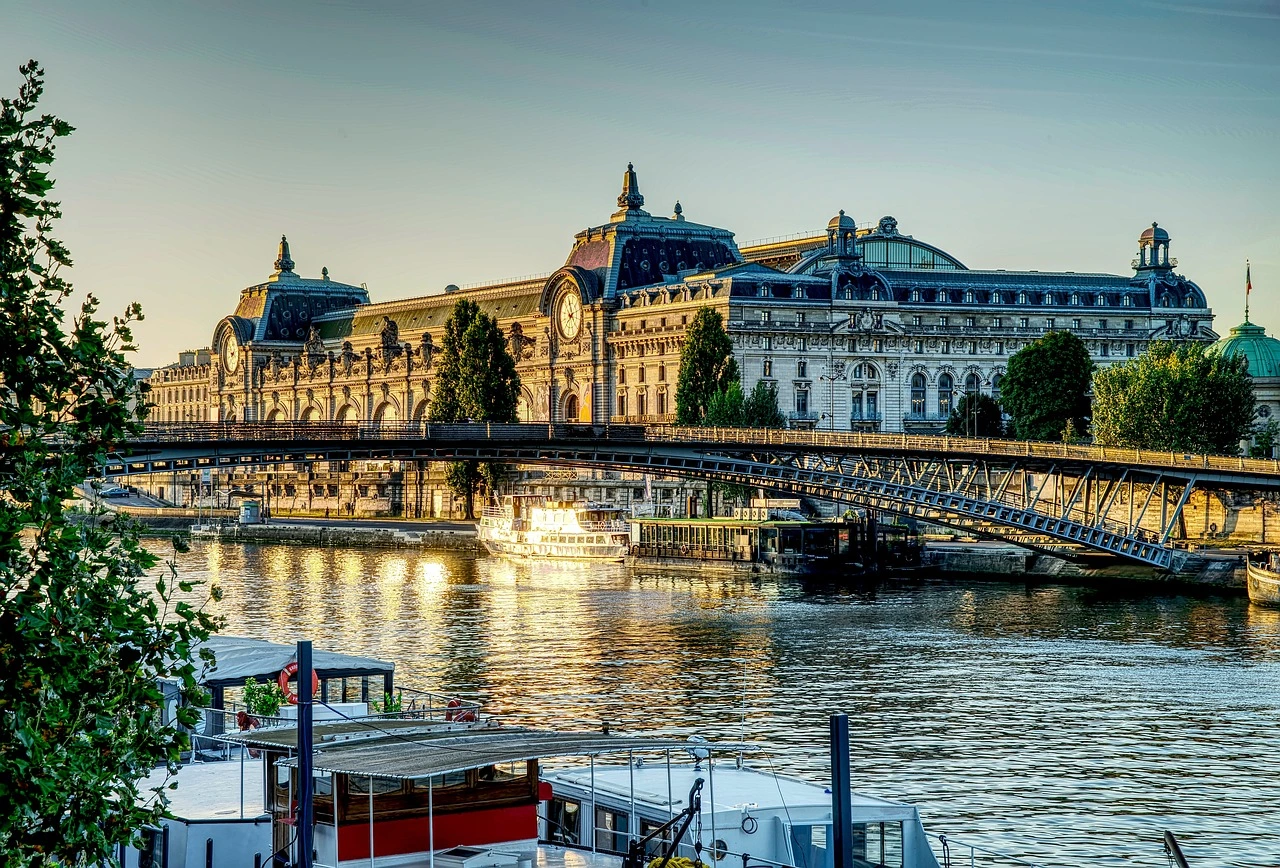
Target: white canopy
{"x": 238, "y": 658}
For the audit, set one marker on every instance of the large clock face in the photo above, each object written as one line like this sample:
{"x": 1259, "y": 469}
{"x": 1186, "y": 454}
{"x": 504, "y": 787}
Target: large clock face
{"x": 569, "y": 315}
{"x": 231, "y": 353}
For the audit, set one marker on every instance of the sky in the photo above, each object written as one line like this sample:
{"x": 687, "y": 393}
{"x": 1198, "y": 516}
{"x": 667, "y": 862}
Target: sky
{"x": 413, "y": 145}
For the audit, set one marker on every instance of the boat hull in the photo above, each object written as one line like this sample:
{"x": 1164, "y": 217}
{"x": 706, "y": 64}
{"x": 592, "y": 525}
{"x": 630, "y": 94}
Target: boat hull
{"x": 562, "y": 551}
{"x": 1264, "y": 586}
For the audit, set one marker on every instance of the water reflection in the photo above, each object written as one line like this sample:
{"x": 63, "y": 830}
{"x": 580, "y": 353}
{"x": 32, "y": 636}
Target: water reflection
{"x": 1066, "y": 724}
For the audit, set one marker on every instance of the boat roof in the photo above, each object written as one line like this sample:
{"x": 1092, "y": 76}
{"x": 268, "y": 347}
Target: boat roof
{"x": 351, "y": 729}
{"x": 212, "y": 790}
{"x": 399, "y": 756}
{"x": 238, "y": 658}
{"x": 733, "y": 787}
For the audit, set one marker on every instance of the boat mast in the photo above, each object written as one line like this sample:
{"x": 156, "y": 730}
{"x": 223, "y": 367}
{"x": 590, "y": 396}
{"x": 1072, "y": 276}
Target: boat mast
{"x": 306, "y": 808}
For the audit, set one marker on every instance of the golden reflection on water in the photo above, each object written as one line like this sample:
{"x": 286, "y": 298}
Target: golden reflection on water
{"x": 1066, "y": 723}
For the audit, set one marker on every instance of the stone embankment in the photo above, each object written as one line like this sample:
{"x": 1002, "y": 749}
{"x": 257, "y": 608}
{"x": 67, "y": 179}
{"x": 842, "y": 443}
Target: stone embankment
{"x": 1003, "y": 561}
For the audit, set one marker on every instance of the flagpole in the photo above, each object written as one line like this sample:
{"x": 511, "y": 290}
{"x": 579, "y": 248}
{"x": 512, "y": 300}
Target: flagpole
{"x": 1248, "y": 288}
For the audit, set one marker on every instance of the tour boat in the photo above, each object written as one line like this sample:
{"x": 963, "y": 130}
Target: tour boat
{"x": 533, "y": 526}
{"x": 1264, "y": 581}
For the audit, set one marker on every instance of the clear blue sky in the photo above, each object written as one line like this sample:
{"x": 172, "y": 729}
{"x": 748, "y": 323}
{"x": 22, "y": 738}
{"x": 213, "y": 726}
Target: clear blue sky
{"x": 412, "y": 145}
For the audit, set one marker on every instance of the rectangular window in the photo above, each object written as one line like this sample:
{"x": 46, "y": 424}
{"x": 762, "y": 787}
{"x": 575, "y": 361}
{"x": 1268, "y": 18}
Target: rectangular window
{"x": 662, "y": 403}
{"x": 999, "y": 348}
{"x": 942, "y": 321}
{"x": 919, "y": 347}
{"x": 802, "y": 402}
{"x": 969, "y": 322}
{"x": 973, "y": 348}
{"x": 662, "y": 373}
{"x": 802, "y": 369}
{"x": 1048, "y": 323}
{"x": 1075, "y": 323}
{"x": 800, "y": 318}
{"x": 946, "y": 348}
{"x": 611, "y": 830}
{"x": 1105, "y": 349}
{"x": 804, "y": 344}
{"x": 640, "y": 374}
{"x": 1102, "y": 324}
{"x": 1128, "y": 325}
{"x": 766, "y": 316}
{"x": 877, "y": 346}
{"x": 622, "y": 375}
{"x": 622, "y": 405}
{"x": 768, "y": 342}
{"x": 1130, "y": 350}
{"x": 915, "y": 320}
{"x": 999, "y": 322}
{"x": 643, "y": 324}
{"x": 564, "y": 816}
{"x": 1023, "y": 322}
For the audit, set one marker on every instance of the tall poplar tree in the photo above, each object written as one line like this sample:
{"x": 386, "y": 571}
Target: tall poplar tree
{"x": 707, "y": 366}
{"x": 85, "y": 636}
{"x": 476, "y": 381}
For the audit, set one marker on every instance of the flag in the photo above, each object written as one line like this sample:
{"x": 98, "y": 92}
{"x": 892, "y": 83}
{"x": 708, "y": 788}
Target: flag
{"x": 1248, "y": 281}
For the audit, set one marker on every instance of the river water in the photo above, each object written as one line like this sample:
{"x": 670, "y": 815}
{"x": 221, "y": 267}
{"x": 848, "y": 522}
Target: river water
{"x": 1066, "y": 725}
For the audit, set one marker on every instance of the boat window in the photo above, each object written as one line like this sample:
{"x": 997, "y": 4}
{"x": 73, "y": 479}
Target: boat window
{"x": 875, "y": 845}
{"x": 502, "y": 773}
{"x": 654, "y": 847}
{"x": 611, "y": 831}
{"x": 563, "y": 818}
{"x": 360, "y": 784}
{"x": 151, "y": 848}
{"x": 439, "y": 782}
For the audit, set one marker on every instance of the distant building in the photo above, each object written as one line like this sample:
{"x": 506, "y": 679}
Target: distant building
{"x": 860, "y": 328}
{"x": 1263, "y": 355}
{"x": 180, "y": 392}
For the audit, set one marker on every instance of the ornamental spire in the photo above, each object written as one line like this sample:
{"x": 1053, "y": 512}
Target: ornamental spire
{"x": 283, "y": 262}
{"x": 630, "y": 199}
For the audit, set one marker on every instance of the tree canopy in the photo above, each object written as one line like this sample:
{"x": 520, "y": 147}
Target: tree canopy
{"x": 1174, "y": 396}
{"x": 707, "y": 366}
{"x": 85, "y": 635}
{"x": 476, "y": 381}
{"x": 976, "y": 415}
{"x": 1046, "y": 386}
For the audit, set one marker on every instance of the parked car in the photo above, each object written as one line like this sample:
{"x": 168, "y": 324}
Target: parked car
{"x": 115, "y": 491}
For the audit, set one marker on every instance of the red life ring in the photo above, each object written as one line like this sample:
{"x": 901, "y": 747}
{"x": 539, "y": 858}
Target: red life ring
{"x": 288, "y": 672}
{"x": 457, "y": 714}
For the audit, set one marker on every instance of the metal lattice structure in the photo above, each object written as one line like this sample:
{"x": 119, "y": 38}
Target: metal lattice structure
{"x": 1046, "y": 496}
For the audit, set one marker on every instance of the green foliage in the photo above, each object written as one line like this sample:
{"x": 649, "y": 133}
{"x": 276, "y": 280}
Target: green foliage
{"x": 1174, "y": 396}
{"x": 263, "y": 700}
{"x": 761, "y": 407}
{"x": 1046, "y": 386}
{"x": 84, "y": 635}
{"x": 1265, "y": 435}
{"x": 726, "y": 408}
{"x": 389, "y": 704}
{"x": 976, "y": 415}
{"x": 476, "y": 381}
{"x": 707, "y": 366}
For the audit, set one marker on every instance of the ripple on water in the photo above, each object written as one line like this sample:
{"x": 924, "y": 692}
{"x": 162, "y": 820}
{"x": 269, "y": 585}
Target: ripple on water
{"x": 1063, "y": 724}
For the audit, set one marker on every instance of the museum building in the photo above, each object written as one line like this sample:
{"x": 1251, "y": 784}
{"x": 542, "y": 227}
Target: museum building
{"x": 859, "y": 327}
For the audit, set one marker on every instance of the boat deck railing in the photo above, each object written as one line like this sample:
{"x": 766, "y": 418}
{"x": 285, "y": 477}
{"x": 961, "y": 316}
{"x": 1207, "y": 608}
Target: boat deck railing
{"x": 957, "y": 854}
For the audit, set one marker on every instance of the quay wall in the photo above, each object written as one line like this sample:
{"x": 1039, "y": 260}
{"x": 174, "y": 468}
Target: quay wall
{"x": 1226, "y": 573}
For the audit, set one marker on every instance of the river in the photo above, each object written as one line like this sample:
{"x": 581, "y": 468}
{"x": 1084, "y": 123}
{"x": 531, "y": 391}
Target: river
{"x": 1066, "y": 725}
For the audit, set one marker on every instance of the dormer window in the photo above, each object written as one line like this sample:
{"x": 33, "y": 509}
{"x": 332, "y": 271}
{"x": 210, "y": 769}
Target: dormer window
{"x": 1075, "y": 298}
{"x": 968, "y": 296}
{"x": 1101, "y": 300}
{"x": 1128, "y": 301}
{"x": 995, "y": 296}
{"x": 915, "y": 295}
{"x": 763, "y": 291}
{"x": 1022, "y": 298}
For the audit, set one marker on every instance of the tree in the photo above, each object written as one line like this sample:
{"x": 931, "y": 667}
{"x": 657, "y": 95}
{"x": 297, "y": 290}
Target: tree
{"x": 1175, "y": 396}
{"x": 707, "y": 366}
{"x": 976, "y": 415}
{"x": 1046, "y": 386}
{"x": 761, "y": 407}
{"x": 476, "y": 381}
{"x": 84, "y": 633}
{"x": 1265, "y": 435}
{"x": 726, "y": 408}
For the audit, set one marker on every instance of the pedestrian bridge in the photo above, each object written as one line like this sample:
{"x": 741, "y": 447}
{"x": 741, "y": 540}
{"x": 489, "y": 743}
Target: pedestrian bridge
{"x": 1046, "y": 496}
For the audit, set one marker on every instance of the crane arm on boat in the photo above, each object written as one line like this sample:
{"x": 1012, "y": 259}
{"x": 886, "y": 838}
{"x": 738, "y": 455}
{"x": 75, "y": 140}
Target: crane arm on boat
{"x": 635, "y": 852}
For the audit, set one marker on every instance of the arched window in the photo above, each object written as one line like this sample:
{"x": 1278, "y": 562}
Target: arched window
{"x": 946, "y": 386}
{"x": 1100, "y": 300}
{"x": 1048, "y": 298}
{"x": 571, "y": 408}
{"x": 1128, "y": 301}
{"x": 1075, "y": 298}
{"x": 1022, "y": 298}
{"x": 995, "y": 386}
{"x": 995, "y": 296}
{"x": 968, "y": 296}
{"x": 915, "y": 295}
{"x": 917, "y": 396}
{"x": 972, "y": 385}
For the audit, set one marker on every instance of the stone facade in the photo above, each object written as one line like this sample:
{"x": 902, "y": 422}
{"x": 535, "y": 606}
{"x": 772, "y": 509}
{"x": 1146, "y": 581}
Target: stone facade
{"x": 181, "y": 392}
{"x": 860, "y": 327}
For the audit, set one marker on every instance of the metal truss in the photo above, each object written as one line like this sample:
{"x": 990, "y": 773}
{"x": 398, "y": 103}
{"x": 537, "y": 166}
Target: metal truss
{"x": 1066, "y": 504}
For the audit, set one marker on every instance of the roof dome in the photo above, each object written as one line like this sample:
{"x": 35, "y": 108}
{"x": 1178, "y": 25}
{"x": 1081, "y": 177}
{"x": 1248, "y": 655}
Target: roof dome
{"x": 1154, "y": 233}
{"x": 1252, "y": 342}
{"x": 841, "y": 221}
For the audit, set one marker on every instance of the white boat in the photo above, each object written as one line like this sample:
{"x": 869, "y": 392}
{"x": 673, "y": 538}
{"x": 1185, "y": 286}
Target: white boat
{"x": 533, "y": 526}
{"x": 1264, "y": 581}
{"x": 433, "y": 793}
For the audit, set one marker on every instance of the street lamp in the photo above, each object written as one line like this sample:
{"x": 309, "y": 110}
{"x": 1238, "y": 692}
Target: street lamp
{"x": 836, "y": 373}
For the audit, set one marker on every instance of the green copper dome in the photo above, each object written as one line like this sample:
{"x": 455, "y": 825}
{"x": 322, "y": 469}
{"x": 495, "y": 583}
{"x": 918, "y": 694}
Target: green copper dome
{"x": 1251, "y": 341}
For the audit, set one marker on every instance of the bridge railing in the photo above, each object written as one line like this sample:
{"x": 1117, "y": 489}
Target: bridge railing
{"x": 542, "y": 431}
